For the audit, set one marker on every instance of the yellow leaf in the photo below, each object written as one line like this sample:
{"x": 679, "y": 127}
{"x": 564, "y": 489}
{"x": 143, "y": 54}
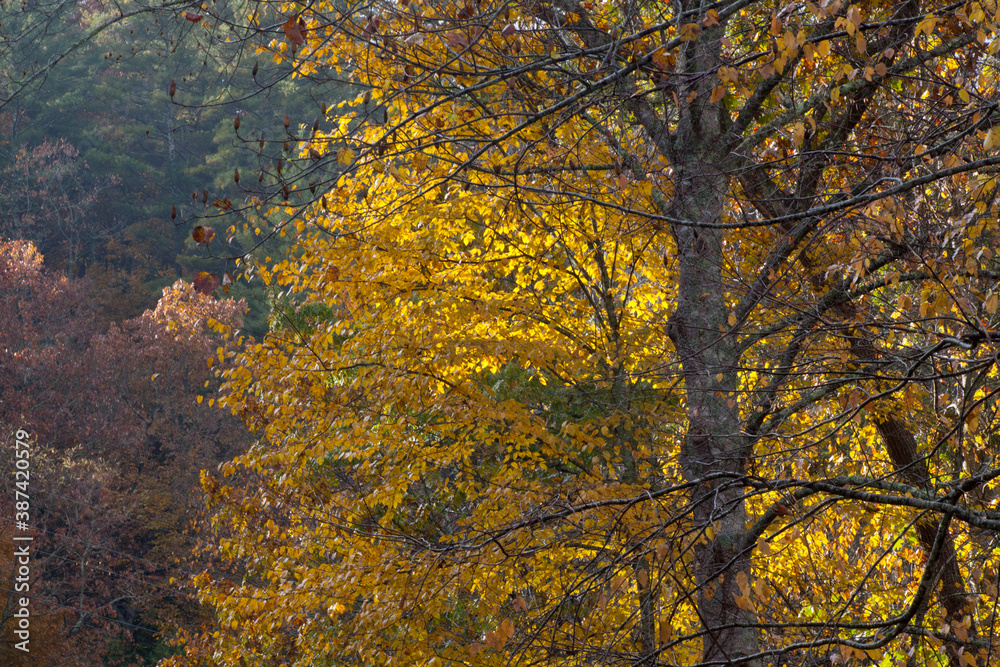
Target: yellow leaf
{"x": 732, "y": 319}
{"x": 345, "y": 156}
{"x": 927, "y": 24}
{"x": 798, "y": 134}
{"x": 689, "y": 32}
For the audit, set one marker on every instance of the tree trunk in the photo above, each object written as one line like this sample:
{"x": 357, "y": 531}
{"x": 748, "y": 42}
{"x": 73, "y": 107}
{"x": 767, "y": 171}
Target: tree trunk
{"x": 709, "y": 357}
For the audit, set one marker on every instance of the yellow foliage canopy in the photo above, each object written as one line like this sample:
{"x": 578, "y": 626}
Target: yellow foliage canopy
{"x": 629, "y": 334}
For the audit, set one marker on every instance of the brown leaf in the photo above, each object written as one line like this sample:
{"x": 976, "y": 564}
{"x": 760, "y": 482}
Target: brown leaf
{"x": 206, "y": 282}
{"x": 292, "y": 31}
{"x": 456, "y": 40}
{"x": 202, "y": 234}
{"x": 223, "y": 204}
{"x": 508, "y": 30}
{"x": 192, "y": 17}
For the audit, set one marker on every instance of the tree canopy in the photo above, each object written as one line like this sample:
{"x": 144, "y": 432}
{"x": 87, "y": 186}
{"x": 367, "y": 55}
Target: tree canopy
{"x": 625, "y": 333}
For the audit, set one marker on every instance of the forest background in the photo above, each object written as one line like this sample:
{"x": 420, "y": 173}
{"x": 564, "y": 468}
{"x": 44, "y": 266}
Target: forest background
{"x": 579, "y": 332}
{"x": 103, "y": 352}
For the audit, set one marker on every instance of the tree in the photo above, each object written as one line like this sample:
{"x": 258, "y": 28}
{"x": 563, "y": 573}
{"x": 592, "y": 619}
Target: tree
{"x": 119, "y": 431}
{"x": 46, "y": 201}
{"x": 633, "y": 333}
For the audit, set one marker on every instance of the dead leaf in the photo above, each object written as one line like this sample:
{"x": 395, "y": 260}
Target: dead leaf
{"x": 206, "y": 282}
{"x": 293, "y": 32}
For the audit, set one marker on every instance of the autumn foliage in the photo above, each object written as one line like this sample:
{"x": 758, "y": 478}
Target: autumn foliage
{"x": 625, "y": 334}
{"x": 118, "y": 437}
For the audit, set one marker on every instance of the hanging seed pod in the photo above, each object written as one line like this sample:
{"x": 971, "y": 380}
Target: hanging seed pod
{"x": 236, "y": 122}
{"x": 173, "y": 212}
{"x": 279, "y": 166}
{"x": 204, "y": 196}
{"x": 260, "y": 142}
{"x": 287, "y": 147}
{"x": 284, "y": 192}
{"x": 236, "y": 176}
{"x": 254, "y": 73}
{"x": 173, "y": 88}
{"x": 312, "y": 188}
{"x": 288, "y": 121}
{"x": 315, "y": 127}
